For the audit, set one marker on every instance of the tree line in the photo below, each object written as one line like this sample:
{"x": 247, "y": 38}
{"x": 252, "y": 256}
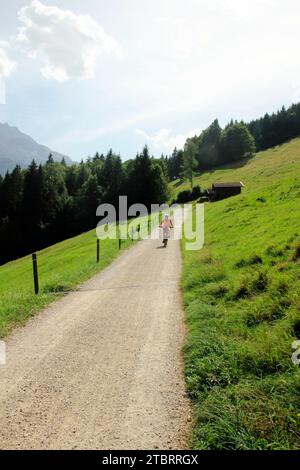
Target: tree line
{"x": 236, "y": 142}
{"x": 48, "y": 203}
{"x": 277, "y": 128}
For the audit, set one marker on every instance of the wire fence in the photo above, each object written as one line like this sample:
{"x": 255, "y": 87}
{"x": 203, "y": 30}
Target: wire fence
{"x": 59, "y": 268}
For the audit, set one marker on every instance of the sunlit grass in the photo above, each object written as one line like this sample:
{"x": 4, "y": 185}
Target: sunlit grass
{"x": 61, "y": 268}
{"x": 242, "y": 298}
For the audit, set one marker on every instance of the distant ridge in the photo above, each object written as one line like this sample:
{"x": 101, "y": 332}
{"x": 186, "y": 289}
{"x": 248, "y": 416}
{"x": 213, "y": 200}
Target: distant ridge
{"x": 17, "y": 148}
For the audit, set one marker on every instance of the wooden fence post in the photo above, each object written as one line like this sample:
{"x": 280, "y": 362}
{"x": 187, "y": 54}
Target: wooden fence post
{"x": 35, "y": 274}
{"x": 120, "y": 240}
{"x": 98, "y": 250}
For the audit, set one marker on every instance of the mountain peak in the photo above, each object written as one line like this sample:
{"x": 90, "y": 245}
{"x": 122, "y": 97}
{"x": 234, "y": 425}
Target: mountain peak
{"x": 17, "y": 148}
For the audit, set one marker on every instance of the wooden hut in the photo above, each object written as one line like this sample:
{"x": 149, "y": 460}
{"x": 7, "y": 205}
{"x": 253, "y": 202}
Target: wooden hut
{"x": 224, "y": 190}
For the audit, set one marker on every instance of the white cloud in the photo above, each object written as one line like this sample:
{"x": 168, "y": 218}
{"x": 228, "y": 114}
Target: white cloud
{"x": 164, "y": 140}
{"x": 7, "y": 65}
{"x": 238, "y": 9}
{"x": 67, "y": 44}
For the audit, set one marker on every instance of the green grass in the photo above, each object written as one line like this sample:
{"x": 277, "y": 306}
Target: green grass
{"x": 61, "y": 268}
{"x": 242, "y": 299}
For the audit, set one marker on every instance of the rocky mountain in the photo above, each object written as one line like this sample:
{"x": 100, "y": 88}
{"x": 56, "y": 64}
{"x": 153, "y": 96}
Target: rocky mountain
{"x": 19, "y": 148}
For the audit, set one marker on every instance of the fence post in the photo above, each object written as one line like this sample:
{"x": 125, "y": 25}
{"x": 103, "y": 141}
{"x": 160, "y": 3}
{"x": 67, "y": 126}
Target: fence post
{"x": 98, "y": 250}
{"x": 119, "y": 236}
{"x": 35, "y": 274}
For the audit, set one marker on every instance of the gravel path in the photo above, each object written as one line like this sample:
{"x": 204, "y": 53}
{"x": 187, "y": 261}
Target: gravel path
{"x": 102, "y": 367}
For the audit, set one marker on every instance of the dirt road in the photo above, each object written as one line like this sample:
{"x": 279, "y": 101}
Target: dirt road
{"x": 102, "y": 367}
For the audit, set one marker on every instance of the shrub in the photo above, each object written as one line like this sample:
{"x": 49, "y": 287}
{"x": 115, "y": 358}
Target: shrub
{"x": 196, "y": 192}
{"x": 188, "y": 195}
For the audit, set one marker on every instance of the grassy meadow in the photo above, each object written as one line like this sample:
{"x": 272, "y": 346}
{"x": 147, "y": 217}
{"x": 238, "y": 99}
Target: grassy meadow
{"x": 61, "y": 268}
{"x": 242, "y": 298}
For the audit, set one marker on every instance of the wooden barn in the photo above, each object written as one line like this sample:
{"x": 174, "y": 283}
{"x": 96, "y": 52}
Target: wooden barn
{"x": 224, "y": 190}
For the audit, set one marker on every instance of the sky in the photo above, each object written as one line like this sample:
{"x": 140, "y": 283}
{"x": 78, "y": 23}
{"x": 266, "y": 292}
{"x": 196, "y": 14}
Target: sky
{"x": 86, "y": 76}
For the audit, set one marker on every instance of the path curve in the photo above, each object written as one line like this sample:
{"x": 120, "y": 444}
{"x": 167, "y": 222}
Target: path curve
{"x": 102, "y": 367}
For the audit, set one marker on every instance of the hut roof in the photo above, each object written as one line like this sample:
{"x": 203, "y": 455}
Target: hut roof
{"x": 228, "y": 185}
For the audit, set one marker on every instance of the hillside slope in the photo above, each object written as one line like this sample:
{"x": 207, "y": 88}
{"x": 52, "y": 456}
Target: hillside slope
{"x": 19, "y": 148}
{"x": 263, "y": 169}
{"x": 242, "y": 298}
{"x": 61, "y": 268}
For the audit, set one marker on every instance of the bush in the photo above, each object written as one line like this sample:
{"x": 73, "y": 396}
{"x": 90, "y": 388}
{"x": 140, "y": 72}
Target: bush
{"x": 196, "y": 192}
{"x": 188, "y": 195}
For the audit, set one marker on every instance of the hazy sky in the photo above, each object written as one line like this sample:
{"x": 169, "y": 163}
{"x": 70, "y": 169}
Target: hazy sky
{"x": 81, "y": 76}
